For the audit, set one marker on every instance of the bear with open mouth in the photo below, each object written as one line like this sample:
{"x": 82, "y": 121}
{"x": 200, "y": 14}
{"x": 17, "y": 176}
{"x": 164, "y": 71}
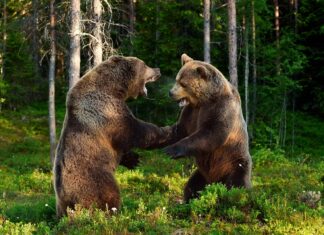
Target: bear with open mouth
{"x": 98, "y": 130}
{"x": 211, "y": 128}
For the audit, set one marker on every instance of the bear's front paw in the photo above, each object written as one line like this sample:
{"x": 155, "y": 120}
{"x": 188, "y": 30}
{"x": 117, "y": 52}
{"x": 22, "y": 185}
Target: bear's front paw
{"x": 175, "y": 151}
{"x": 166, "y": 133}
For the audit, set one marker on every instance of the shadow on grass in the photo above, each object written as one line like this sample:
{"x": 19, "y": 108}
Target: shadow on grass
{"x": 34, "y": 209}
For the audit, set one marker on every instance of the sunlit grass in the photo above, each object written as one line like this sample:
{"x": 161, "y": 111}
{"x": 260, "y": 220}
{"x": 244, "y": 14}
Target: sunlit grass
{"x": 152, "y": 193}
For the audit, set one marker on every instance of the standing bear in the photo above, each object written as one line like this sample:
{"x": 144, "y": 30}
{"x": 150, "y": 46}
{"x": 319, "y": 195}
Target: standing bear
{"x": 211, "y": 128}
{"x": 98, "y": 130}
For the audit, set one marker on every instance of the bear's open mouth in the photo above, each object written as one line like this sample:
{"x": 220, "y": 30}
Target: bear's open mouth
{"x": 150, "y": 79}
{"x": 183, "y": 102}
{"x": 144, "y": 90}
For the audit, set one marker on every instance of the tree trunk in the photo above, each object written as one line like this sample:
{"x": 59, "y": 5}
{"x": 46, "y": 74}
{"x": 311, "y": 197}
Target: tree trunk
{"x": 207, "y": 31}
{"x": 296, "y": 15}
{"x": 96, "y": 42}
{"x": 3, "y": 52}
{"x": 51, "y": 81}
{"x": 74, "y": 70}
{"x": 247, "y": 64}
{"x": 277, "y": 31}
{"x": 131, "y": 24}
{"x": 293, "y": 126}
{"x": 293, "y": 98}
{"x": 283, "y": 115}
{"x": 35, "y": 35}
{"x": 4, "y": 39}
{"x": 232, "y": 43}
{"x": 157, "y": 32}
{"x": 283, "y": 121}
{"x": 254, "y": 67}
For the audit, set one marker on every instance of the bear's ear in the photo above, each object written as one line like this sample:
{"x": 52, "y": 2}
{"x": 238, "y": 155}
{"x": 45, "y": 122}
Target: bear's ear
{"x": 185, "y": 58}
{"x": 202, "y": 71}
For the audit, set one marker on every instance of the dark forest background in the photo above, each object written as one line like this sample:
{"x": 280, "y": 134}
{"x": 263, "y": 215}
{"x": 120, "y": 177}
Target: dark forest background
{"x": 280, "y": 57}
{"x": 159, "y": 32}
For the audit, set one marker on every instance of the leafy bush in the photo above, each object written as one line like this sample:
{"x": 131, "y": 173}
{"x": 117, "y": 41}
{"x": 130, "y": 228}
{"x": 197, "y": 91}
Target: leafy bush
{"x": 7, "y": 227}
{"x": 152, "y": 193}
{"x": 266, "y": 157}
{"x": 235, "y": 205}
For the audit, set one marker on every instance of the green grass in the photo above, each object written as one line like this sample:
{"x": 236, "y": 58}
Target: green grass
{"x": 152, "y": 193}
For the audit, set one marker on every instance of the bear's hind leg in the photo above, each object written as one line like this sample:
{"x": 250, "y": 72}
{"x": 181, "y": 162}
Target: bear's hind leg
{"x": 195, "y": 184}
{"x": 108, "y": 195}
{"x": 98, "y": 189}
{"x": 60, "y": 209}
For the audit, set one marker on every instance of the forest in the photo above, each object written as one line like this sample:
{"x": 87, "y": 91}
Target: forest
{"x": 272, "y": 51}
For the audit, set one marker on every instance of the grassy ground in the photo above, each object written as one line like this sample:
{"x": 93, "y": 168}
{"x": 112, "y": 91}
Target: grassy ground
{"x": 279, "y": 203}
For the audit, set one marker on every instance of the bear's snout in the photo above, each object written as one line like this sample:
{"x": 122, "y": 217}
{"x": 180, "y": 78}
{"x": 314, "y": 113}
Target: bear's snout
{"x": 157, "y": 72}
{"x": 152, "y": 74}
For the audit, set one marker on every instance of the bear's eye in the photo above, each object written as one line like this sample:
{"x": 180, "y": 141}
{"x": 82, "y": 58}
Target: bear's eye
{"x": 183, "y": 85}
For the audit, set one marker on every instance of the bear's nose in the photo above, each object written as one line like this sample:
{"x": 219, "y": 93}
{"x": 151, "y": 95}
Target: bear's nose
{"x": 170, "y": 93}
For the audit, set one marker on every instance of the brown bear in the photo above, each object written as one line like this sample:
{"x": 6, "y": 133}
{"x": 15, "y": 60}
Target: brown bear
{"x": 98, "y": 129}
{"x": 211, "y": 128}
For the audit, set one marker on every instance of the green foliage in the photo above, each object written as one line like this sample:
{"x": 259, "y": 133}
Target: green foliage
{"x": 151, "y": 195}
{"x": 160, "y": 41}
{"x": 3, "y": 90}
{"x": 234, "y": 205}
{"x": 278, "y": 89}
{"x": 311, "y": 37}
{"x": 159, "y": 109}
{"x": 267, "y": 157}
{"x": 21, "y": 84}
{"x": 8, "y": 227}
{"x": 286, "y": 166}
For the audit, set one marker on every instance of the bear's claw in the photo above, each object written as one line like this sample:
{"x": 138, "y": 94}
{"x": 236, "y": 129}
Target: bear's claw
{"x": 175, "y": 151}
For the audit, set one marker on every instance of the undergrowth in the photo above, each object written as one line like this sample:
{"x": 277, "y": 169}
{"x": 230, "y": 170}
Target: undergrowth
{"x": 278, "y": 203}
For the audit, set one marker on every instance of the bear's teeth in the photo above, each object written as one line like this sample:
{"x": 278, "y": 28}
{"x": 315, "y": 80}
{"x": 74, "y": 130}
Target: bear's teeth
{"x": 145, "y": 90}
{"x": 183, "y": 103}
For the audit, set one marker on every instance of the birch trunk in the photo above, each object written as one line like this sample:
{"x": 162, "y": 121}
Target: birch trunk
{"x": 247, "y": 63}
{"x": 96, "y": 42}
{"x": 35, "y": 35}
{"x": 51, "y": 82}
{"x": 207, "y": 31}
{"x": 4, "y": 48}
{"x": 74, "y": 70}
{"x": 232, "y": 43}
{"x": 4, "y": 39}
{"x": 254, "y": 66}
{"x": 131, "y": 24}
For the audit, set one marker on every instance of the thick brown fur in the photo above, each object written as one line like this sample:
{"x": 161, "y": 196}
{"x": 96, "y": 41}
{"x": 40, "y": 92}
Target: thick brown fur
{"x": 211, "y": 128}
{"x": 98, "y": 130}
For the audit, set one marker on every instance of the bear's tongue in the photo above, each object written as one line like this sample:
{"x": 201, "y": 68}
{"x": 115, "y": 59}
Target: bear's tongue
{"x": 183, "y": 102}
